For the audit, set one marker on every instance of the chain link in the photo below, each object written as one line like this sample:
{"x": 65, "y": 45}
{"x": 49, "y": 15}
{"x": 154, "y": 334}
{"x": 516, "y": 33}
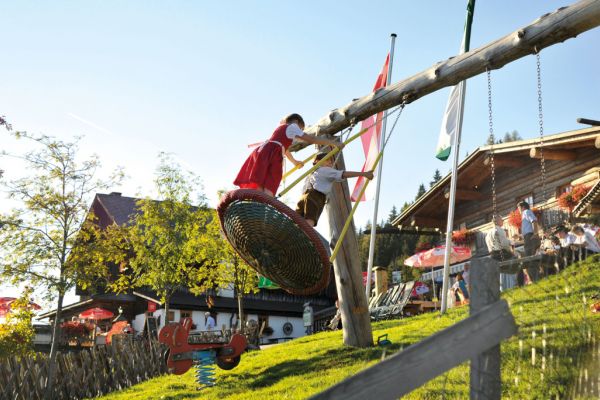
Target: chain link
{"x": 541, "y": 125}
{"x": 492, "y": 140}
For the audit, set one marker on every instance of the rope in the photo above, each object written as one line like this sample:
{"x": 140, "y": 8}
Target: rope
{"x": 335, "y": 151}
{"x": 338, "y": 245}
{"x": 307, "y": 159}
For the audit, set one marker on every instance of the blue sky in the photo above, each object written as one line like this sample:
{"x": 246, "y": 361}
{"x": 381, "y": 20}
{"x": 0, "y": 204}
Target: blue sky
{"x": 204, "y": 79}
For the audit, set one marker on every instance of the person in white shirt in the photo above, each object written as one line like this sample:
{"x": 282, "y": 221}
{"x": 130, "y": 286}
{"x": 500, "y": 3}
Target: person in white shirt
{"x": 585, "y": 238}
{"x": 209, "y": 321}
{"x": 497, "y": 243}
{"x": 318, "y": 185}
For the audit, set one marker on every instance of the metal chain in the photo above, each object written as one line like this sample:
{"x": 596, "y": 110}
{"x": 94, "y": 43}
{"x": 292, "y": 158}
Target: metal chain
{"x": 492, "y": 140}
{"x": 541, "y": 124}
{"x": 492, "y": 161}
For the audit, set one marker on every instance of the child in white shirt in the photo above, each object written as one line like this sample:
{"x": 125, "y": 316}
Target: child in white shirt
{"x": 318, "y": 185}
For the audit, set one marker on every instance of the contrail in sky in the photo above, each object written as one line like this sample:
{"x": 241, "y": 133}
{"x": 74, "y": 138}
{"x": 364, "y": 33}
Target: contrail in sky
{"x": 108, "y": 132}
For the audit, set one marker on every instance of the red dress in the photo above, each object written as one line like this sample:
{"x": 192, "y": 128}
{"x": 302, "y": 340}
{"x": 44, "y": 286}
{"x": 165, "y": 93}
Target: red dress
{"x": 264, "y": 166}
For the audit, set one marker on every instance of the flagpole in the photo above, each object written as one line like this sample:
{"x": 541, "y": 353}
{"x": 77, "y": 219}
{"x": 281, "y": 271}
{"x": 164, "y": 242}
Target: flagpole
{"x": 453, "y": 176}
{"x": 379, "y": 172}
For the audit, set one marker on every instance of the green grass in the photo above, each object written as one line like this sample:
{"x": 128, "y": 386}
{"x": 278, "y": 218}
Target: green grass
{"x": 300, "y": 368}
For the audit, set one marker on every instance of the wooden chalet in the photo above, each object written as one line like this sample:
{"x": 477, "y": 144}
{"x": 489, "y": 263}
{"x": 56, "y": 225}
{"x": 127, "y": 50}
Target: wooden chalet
{"x": 571, "y": 159}
{"x": 276, "y": 307}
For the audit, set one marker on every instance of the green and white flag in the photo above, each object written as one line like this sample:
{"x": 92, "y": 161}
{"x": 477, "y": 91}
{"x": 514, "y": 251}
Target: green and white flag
{"x": 452, "y": 122}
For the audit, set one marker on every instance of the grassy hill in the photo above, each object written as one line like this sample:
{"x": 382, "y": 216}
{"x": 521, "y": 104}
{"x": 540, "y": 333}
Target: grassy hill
{"x": 558, "y": 305}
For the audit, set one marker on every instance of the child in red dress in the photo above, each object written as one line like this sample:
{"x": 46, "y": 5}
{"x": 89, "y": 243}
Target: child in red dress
{"x": 263, "y": 169}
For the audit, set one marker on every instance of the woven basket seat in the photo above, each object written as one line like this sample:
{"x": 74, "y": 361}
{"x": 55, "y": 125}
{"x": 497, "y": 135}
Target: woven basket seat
{"x": 275, "y": 241}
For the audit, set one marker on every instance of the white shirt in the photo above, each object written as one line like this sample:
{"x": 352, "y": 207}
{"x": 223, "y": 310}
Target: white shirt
{"x": 496, "y": 239}
{"x": 527, "y": 220}
{"x": 322, "y": 179}
{"x": 568, "y": 240}
{"x": 210, "y": 323}
{"x": 590, "y": 241}
{"x": 293, "y": 130}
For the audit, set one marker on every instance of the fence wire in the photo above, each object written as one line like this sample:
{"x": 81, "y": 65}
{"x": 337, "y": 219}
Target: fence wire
{"x": 556, "y": 352}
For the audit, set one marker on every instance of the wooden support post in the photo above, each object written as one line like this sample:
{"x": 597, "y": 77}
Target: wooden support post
{"x": 356, "y": 323}
{"x": 485, "y": 290}
{"x": 552, "y": 28}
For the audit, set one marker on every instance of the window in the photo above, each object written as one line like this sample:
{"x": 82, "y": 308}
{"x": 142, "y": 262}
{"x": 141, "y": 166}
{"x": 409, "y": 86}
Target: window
{"x": 184, "y": 314}
{"x": 171, "y": 316}
{"x": 566, "y": 188}
{"x": 526, "y": 197}
{"x": 261, "y": 319}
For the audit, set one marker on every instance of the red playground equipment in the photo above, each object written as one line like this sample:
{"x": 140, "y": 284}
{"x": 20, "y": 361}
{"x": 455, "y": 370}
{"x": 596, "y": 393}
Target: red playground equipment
{"x": 200, "y": 349}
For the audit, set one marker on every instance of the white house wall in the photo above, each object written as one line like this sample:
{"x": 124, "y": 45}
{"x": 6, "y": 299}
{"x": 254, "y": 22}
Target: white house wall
{"x": 275, "y": 322}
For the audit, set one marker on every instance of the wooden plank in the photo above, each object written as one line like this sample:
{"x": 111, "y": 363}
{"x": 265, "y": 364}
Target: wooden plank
{"x": 411, "y": 368}
{"x": 429, "y": 222}
{"x": 597, "y": 142}
{"x": 466, "y": 194}
{"x": 550, "y": 29}
{"x": 505, "y": 162}
{"x": 562, "y": 155}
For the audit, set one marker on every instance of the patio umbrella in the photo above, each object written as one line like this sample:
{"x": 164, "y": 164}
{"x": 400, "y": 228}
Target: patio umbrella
{"x": 96, "y": 313}
{"x": 6, "y": 302}
{"x": 435, "y": 257}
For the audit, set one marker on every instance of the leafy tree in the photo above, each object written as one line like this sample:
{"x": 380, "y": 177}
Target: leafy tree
{"x": 421, "y": 191}
{"x": 436, "y": 178}
{"x": 170, "y": 244}
{"x": 239, "y": 275}
{"x": 39, "y": 234}
{"x": 16, "y": 334}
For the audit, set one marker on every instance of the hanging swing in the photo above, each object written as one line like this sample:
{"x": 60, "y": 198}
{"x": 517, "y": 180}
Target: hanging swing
{"x": 274, "y": 240}
{"x": 277, "y": 242}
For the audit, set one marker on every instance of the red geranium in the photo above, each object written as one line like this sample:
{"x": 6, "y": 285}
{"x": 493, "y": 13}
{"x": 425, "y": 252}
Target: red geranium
{"x": 514, "y": 217}
{"x": 74, "y": 329}
{"x": 463, "y": 236}
{"x": 569, "y": 200}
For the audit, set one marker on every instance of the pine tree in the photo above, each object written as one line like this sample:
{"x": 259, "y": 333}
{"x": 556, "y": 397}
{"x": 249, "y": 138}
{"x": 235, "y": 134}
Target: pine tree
{"x": 421, "y": 191}
{"x": 436, "y": 178}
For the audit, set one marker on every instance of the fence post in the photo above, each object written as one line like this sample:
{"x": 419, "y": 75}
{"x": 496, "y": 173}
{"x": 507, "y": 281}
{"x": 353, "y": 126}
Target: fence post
{"x": 485, "y": 290}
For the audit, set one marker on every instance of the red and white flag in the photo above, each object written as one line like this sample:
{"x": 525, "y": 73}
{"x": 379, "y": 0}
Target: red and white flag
{"x": 370, "y": 139}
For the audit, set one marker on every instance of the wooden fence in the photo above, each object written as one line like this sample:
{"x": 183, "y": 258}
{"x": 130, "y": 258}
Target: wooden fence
{"x": 88, "y": 373}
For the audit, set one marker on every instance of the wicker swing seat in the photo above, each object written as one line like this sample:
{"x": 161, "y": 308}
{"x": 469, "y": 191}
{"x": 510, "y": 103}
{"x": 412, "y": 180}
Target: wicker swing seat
{"x": 275, "y": 241}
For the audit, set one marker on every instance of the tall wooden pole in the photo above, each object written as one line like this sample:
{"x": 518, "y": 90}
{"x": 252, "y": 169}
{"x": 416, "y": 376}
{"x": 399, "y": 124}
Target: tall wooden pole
{"x": 356, "y": 323}
{"x": 550, "y": 29}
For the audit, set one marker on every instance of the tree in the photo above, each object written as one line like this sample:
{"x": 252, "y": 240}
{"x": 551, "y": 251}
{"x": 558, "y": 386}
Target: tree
{"x": 171, "y": 244}
{"x": 421, "y": 191}
{"x": 436, "y": 178}
{"x": 240, "y": 276}
{"x": 40, "y": 233}
{"x": 16, "y": 334}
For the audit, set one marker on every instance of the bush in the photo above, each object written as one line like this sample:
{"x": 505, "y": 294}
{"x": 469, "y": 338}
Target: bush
{"x": 17, "y": 333}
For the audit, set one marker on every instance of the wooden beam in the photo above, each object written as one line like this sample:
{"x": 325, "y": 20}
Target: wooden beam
{"x": 597, "y": 142}
{"x": 586, "y": 121}
{"x": 465, "y": 194}
{"x": 356, "y": 321}
{"x": 564, "y": 155}
{"x": 408, "y": 369}
{"x": 504, "y": 162}
{"x": 550, "y": 29}
{"x": 427, "y": 222}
